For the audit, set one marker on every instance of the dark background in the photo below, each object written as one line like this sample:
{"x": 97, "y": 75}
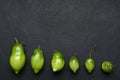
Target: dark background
{"x": 71, "y": 26}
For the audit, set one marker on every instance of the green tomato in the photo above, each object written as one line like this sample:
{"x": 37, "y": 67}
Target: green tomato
{"x": 107, "y": 66}
{"x": 57, "y": 61}
{"x": 37, "y": 60}
{"x": 74, "y": 64}
{"x": 17, "y": 57}
{"x": 89, "y": 64}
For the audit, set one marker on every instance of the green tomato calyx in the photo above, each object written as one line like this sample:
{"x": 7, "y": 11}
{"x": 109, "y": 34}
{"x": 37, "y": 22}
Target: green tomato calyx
{"x": 16, "y": 40}
{"x": 92, "y": 51}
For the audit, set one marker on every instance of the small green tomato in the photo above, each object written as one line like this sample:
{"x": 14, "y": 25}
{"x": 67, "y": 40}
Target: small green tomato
{"x": 37, "y": 60}
{"x": 107, "y": 66}
{"x": 57, "y": 61}
{"x": 74, "y": 64}
{"x": 17, "y": 58}
{"x": 89, "y": 62}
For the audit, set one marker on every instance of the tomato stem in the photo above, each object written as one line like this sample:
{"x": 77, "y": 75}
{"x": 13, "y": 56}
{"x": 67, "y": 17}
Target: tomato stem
{"x": 92, "y": 51}
{"x": 39, "y": 47}
{"x": 74, "y": 54}
{"x": 56, "y": 50}
{"x": 16, "y": 40}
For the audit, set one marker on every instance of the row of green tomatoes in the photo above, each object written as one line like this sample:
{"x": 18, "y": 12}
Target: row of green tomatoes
{"x": 17, "y": 60}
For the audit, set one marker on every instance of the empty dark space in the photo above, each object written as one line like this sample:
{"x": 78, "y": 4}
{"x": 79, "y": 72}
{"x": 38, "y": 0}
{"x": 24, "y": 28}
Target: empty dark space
{"x": 71, "y": 26}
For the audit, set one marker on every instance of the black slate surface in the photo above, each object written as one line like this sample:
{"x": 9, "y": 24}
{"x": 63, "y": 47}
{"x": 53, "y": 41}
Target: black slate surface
{"x": 71, "y": 26}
